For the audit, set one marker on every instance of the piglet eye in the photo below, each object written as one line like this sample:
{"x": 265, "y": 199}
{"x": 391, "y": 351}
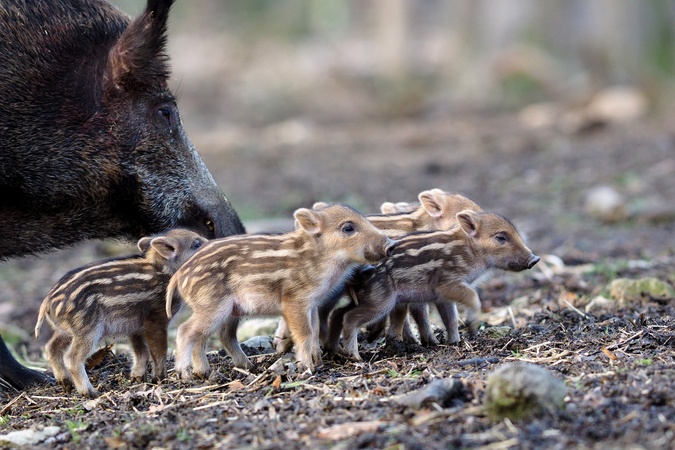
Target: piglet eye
{"x": 196, "y": 244}
{"x": 348, "y": 228}
{"x": 501, "y": 238}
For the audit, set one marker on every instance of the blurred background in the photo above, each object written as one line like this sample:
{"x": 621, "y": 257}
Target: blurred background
{"x": 550, "y": 112}
{"x": 262, "y": 61}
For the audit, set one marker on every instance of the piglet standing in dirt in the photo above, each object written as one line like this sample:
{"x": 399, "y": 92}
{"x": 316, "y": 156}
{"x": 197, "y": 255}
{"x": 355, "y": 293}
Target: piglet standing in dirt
{"x": 433, "y": 267}
{"x": 436, "y": 211}
{"x": 120, "y": 296}
{"x": 287, "y": 274}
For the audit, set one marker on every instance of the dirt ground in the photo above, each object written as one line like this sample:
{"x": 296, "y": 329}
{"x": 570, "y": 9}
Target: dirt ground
{"x": 617, "y": 359}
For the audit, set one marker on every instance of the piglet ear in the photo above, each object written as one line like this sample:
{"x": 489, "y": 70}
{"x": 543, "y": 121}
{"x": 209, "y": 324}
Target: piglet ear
{"x": 165, "y": 246}
{"x": 139, "y": 58}
{"x": 144, "y": 244}
{"x": 319, "y": 205}
{"x": 308, "y": 220}
{"x": 432, "y": 202}
{"x": 469, "y": 222}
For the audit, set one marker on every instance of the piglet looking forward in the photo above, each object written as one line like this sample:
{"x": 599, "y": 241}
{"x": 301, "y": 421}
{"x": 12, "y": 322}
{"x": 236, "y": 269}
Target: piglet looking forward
{"x": 288, "y": 274}
{"x": 437, "y": 266}
{"x": 120, "y": 296}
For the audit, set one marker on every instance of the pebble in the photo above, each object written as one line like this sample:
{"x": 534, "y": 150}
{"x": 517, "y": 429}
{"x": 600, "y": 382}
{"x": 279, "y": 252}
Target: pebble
{"x": 522, "y": 391}
{"x": 606, "y": 204}
{"x": 627, "y": 290}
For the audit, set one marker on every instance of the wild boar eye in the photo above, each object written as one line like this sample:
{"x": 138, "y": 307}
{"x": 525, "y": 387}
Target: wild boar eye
{"x": 166, "y": 115}
{"x": 348, "y": 228}
{"x": 501, "y": 238}
{"x": 196, "y": 244}
{"x": 210, "y": 225}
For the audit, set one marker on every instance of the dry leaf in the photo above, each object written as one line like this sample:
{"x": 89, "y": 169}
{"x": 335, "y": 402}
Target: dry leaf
{"x": 276, "y": 384}
{"x": 609, "y": 354}
{"x": 346, "y": 430}
{"x": 114, "y": 442}
{"x": 237, "y": 385}
{"x": 98, "y": 357}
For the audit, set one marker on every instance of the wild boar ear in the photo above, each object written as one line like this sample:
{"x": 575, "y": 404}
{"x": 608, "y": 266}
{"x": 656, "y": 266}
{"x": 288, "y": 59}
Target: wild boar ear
{"x": 319, "y": 205}
{"x": 431, "y": 202}
{"x": 469, "y": 222}
{"x": 308, "y": 220}
{"x": 144, "y": 244}
{"x": 139, "y": 57}
{"x": 165, "y": 246}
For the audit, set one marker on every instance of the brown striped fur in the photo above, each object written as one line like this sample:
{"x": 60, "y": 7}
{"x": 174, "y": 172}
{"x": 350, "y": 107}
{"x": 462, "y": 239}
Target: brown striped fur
{"x": 437, "y": 266}
{"x": 288, "y": 274}
{"x": 436, "y": 210}
{"x": 120, "y": 296}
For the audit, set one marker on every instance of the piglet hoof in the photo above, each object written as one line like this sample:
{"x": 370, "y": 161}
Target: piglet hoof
{"x": 473, "y": 328}
{"x": 429, "y": 341}
{"x": 89, "y": 392}
{"x": 201, "y": 375}
{"x": 282, "y": 345}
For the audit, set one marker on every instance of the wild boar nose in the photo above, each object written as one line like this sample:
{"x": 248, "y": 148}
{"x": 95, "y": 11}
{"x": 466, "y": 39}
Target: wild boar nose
{"x": 389, "y": 246}
{"x": 534, "y": 259}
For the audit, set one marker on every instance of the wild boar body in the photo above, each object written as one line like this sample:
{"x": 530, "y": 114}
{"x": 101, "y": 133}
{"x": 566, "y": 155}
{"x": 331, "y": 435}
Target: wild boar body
{"x": 119, "y": 296}
{"x": 288, "y": 274}
{"x": 439, "y": 266}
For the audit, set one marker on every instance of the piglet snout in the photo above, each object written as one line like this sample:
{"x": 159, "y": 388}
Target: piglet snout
{"x": 534, "y": 259}
{"x": 389, "y": 246}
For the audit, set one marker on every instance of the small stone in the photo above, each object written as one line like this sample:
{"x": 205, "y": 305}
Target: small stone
{"x": 259, "y": 343}
{"x": 497, "y": 332}
{"x": 440, "y": 391}
{"x": 256, "y": 327}
{"x": 29, "y": 436}
{"x": 521, "y": 391}
{"x": 627, "y": 290}
{"x": 606, "y": 204}
{"x": 618, "y": 104}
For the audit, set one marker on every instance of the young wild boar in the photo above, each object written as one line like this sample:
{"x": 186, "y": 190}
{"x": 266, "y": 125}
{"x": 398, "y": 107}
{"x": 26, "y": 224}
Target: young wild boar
{"x": 120, "y": 296}
{"x": 437, "y": 266}
{"x": 287, "y": 274}
{"x": 436, "y": 211}
{"x": 91, "y": 141}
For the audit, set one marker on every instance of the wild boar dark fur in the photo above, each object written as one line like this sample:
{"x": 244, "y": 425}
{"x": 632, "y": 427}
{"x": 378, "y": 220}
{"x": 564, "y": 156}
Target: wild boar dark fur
{"x": 91, "y": 141}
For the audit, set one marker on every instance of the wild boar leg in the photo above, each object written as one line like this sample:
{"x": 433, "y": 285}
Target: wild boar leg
{"x": 157, "y": 339}
{"x": 449, "y": 316}
{"x": 420, "y": 314}
{"x": 282, "y": 338}
{"x": 75, "y": 357}
{"x": 304, "y": 331}
{"x": 141, "y": 357}
{"x": 467, "y": 296}
{"x": 55, "y": 350}
{"x": 228, "y": 337}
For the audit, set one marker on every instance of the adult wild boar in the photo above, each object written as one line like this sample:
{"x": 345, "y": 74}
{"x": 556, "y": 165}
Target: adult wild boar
{"x": 91, "y": 141}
